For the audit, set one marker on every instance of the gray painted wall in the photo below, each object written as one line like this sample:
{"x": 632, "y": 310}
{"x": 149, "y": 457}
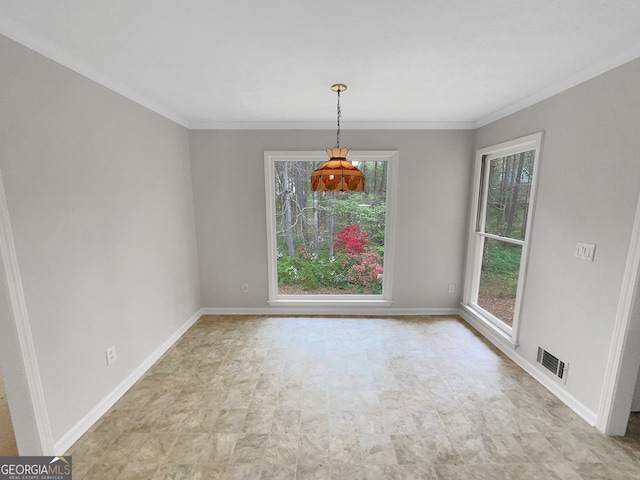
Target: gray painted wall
{"x": 433, "y": 190}
{"x": 100, "y": 200}
{"x": 588, "y": 191}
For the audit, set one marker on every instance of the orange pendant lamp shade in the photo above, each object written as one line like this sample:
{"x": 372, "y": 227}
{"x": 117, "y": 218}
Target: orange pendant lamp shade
{"x": 337, "y": 173}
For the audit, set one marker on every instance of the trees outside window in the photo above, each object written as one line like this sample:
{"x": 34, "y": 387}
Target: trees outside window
{"x": 328, "y": 244}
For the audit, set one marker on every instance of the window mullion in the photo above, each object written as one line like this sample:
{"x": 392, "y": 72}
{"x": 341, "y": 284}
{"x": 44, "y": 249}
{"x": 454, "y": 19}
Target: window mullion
{"x": 501, "y": 238}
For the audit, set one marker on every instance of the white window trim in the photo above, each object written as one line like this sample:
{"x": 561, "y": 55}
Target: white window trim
{"x": 384, "y": 299}
{"x": 474, "y": 255}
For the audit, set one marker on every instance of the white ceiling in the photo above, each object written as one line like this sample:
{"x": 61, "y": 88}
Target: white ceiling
{"x": 270, "y": 64}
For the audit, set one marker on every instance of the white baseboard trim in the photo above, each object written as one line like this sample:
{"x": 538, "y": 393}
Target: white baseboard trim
{"x": 330, "y": 310}
{"x": 506, "y": 347}
{"x": 69, "y": 438}
{"x": 565, "y": 397}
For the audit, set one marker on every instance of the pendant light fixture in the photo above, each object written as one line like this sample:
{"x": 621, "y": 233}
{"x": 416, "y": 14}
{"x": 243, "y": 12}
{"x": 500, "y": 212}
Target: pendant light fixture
{"x": 337, "y": 173}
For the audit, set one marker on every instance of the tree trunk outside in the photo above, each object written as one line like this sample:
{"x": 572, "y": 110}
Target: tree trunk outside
{"x": 316, "y": 226}
{"x": 288, "y": 230}
{"x": 503, "y": 193}
{"x": 332, "y": 226}
{"x": 301, "y": 194}
{"x": 513, "y": 207}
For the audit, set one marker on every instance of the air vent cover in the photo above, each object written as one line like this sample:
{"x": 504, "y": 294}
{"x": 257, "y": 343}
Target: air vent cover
{"x": 552, "y": 363}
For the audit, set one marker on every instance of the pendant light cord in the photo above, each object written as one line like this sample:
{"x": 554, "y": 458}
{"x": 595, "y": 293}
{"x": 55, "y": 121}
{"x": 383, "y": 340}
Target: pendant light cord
{"x": 339, "y": 115}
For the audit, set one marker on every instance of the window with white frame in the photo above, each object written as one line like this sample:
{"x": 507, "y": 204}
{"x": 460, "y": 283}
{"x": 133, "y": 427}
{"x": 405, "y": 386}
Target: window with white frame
{"x": 329, "y": 246}
{"x": 499, "y": 235}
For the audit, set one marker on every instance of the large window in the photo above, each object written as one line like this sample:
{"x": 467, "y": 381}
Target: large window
{"x": 329, "y": 246}
{"x": 504, "y": 191}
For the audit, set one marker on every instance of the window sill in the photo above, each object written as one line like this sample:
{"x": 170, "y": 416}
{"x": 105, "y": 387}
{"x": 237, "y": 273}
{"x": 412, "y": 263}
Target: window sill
{"x": 487, "y": 327}
{"x": 326, "y": 300}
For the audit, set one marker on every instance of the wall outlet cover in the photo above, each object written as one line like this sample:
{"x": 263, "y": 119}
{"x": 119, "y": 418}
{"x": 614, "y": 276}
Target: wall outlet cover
{"x": 111, "y": 355}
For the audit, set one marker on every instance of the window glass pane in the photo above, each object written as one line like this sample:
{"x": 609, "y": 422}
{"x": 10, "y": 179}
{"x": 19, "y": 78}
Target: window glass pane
{"x": 329, "y": 242}
{"x": 508, "y": 194}
{"x": 499, "y": 279}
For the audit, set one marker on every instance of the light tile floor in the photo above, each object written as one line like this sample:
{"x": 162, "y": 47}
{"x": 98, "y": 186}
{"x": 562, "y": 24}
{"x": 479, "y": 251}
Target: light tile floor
{"x": 344, "y": 398}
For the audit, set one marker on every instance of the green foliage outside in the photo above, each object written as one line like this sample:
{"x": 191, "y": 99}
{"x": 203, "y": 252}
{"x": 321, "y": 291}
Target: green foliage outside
{"x": 500, "y": 270}
{"x": 313, "y": 273}
{"x": 502, "y": 259}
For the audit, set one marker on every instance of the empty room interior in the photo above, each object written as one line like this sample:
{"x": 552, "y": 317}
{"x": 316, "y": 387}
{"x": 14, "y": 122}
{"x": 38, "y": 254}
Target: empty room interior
{"x": 149, "y": 327}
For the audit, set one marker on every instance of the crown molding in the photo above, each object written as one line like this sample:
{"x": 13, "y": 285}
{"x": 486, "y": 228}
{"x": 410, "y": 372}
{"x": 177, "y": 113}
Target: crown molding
{"x": 332, "y": 125}
{"x": 565, "y": 84}
{"x": 18, "y": 33}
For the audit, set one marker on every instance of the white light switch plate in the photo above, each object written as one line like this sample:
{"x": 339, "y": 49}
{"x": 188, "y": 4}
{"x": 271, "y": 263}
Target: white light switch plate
{"x": 585, "y": 251}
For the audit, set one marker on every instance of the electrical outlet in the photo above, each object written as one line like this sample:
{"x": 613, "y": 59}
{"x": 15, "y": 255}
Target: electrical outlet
{"x": 245, "y": 288}
{"x": 111, "y": 355}
{"x": 452, "y": 288}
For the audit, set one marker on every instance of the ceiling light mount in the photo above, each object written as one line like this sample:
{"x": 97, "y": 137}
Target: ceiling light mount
{"x": 337, "y": 174}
